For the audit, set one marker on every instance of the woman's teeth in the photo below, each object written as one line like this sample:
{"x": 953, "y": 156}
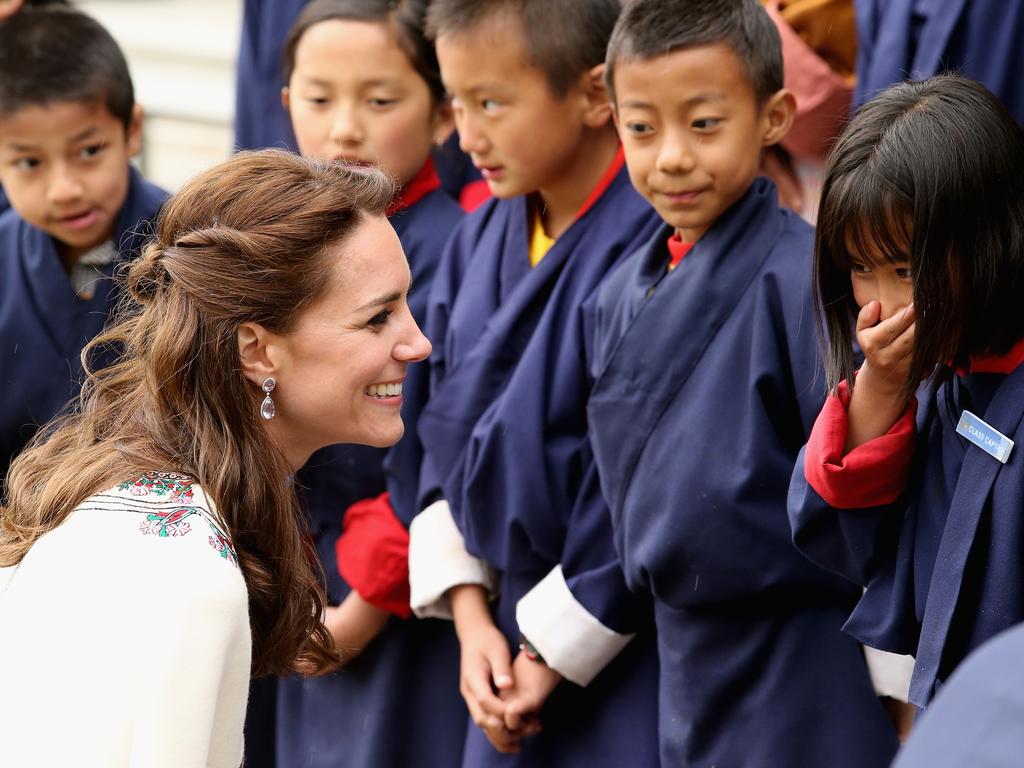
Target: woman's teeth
{"x": 384, "y": 390}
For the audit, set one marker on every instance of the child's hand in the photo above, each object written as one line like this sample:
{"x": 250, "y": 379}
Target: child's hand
{"x": 486, "y": 666}
{"x": 877, "y": 401}
{"x": 888, "y": 347}
{"x": 534, "y": 683}
{"x": 352, "y": 626}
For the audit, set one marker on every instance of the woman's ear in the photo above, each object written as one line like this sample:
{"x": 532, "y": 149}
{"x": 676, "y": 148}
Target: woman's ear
{"x": 258, "y": 353}
{"x": 778, "y": 112}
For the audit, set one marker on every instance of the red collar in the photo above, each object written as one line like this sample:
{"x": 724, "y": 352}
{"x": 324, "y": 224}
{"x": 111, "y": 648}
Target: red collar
{"x": 421, "y": 185}
{"x": 999, "y": 363}
{"x": 677, "y": 250}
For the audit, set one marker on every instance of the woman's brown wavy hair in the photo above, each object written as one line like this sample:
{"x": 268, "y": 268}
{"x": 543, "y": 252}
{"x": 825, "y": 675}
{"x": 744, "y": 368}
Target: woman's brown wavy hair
{"x": 250, "y": 240}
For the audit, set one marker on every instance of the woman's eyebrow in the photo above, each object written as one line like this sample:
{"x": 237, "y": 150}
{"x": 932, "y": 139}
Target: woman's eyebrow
{"x": 379, "y": 301}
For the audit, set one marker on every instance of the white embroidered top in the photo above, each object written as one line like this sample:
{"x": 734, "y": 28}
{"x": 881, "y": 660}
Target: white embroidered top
{"x": 124, "y": 636}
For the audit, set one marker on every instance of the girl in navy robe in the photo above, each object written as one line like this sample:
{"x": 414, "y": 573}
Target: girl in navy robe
{"x": 363, "y": 87}
{"x": 920, "y": 256}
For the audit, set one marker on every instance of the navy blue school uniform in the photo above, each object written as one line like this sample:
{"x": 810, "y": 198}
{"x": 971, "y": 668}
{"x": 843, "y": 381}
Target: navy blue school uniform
{"x": 504, "y": 434}
{"x": 976, "y": 719}
{"x": 941, "y": 561}
{"x": 397, "y": 704}
{"x": 900, "y": 39}
{"x": 43, "y": 323}
{"x": 260, "y": 118}
{"x": 4, "y": 205}
{"x": 707, "y": 385}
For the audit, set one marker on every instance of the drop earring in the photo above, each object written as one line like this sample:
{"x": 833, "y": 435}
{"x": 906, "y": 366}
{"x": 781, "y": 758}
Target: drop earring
{"x": 267, "y": 409}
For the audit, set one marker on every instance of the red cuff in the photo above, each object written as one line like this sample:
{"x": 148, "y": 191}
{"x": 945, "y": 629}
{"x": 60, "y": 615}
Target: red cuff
{"x": 870, "y": 475}
{"x": 373, "y": 555}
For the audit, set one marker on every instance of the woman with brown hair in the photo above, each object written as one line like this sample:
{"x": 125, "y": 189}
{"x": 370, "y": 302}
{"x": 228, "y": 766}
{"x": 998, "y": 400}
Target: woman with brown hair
{"x": 151, "y": 537}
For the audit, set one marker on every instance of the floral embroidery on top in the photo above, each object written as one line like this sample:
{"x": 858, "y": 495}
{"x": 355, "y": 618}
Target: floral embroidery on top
{"x": 177, "y": 487}
{"x": 223, "y": 546}
{"x": 170, "y": 523}
{"x": 168, "y": 487}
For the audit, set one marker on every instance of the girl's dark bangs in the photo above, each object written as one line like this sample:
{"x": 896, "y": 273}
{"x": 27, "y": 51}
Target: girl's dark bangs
{"x": 864, "y": 220}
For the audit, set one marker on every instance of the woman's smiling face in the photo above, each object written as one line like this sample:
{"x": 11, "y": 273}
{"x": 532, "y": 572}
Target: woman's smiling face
{"x": 343, "y": 362}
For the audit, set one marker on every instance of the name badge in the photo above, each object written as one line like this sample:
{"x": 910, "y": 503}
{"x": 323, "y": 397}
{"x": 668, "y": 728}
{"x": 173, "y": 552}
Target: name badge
{"x": 985, "y": 436}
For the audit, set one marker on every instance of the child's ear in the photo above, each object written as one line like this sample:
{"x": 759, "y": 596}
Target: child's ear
{"x": 778, "y": 114}
{"x": 133, "y": 138}
{"x": 286, "y": 99}
{"x": 598, "y": 105}
{"x": 258, "y": 352}
{"x": 442, "y": 123}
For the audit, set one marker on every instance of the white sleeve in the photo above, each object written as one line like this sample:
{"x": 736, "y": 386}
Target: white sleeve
{"x": 192, "y": 680}
{"x": 572, "y": 641}
{"x": 438, "y": 561}
{"x": 890, "y": 672}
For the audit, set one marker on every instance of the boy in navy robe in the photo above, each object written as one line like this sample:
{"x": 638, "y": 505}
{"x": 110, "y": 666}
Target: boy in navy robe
{"x": 69, "y": 126}
{"x": 509, "y": 503}
{"x": 707, "y": 383}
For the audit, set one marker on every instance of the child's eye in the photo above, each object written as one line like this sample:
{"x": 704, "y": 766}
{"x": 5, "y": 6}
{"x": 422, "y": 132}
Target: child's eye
{"x": 26, "y": 163}
{"x": 489, "y": 105}
{"x": 903, "y": 273}
{"x": 317, "y": 101}
{"x": 91, "y": 151}
{"x": 706, "y": 123}
{"x": 637, "y": 128}
{"x": 381, "y": 103}
{"x": 379, "y": 319}
{"x": 859, "y": 269}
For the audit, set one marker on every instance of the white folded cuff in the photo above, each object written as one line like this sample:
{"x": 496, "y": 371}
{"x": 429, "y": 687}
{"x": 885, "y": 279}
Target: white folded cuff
{"x": 438, "y": 561}
{"x": 890, "y": 672}
{"x": 571, "y": 639}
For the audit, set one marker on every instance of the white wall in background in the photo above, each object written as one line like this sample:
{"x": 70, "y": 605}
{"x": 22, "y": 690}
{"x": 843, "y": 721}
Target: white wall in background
{"x": 182, "y": 57}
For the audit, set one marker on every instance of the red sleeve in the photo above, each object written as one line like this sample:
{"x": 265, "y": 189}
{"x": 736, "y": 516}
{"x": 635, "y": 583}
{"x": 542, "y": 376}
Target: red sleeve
{"x": 373, "y": 555}
{"x": 870, "y": 475}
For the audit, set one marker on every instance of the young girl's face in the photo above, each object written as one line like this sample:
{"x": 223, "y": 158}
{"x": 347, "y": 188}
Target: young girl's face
{"x": 355, "y": 96}
{"x": 876, "y": 278}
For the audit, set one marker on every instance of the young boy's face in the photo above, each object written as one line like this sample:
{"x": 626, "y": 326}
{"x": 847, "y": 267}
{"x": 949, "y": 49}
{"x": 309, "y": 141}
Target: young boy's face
{"x": 521, "y": 137}
{"x": 64, "y": 167}
{"x": 692, "y": 131}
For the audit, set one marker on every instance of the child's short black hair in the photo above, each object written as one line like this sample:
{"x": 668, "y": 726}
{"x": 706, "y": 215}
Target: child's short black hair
{"x": 408, "y": 16}
{"x": 650, "y": 28}
{"x": 54, "y": 53}
{"x": 564, "y": 38}
{"x": 932, "y": 173}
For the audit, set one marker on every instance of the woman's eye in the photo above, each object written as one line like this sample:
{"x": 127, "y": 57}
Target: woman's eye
{"x": 380, "y": 318}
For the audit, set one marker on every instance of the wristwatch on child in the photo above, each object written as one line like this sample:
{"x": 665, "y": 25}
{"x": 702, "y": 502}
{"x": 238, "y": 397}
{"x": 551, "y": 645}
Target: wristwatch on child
{"x": 529, "y": 650}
